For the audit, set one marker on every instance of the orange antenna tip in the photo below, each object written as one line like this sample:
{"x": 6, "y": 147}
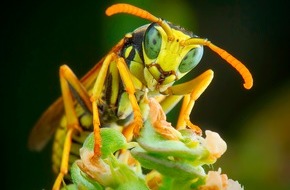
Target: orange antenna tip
{"x": 248, "y": 86}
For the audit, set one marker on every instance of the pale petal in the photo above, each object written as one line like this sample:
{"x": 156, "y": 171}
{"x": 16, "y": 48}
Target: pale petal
{"x": 234, "y": 185}
{"x": 215, "y": 144}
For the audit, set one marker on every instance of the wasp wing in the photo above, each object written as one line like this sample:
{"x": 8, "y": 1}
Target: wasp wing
{"x": 50, "y": 119}
{"x": 46, "y": 126}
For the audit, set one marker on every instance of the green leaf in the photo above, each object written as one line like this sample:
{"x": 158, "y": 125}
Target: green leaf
{"x": 172, "y": 168}
{"x": 112, "y": 140}
{"x": 153, "y": 142}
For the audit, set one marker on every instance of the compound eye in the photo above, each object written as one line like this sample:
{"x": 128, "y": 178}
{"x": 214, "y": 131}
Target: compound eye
{"x": 152, "y": 42}
{"x": 191, "y": 59}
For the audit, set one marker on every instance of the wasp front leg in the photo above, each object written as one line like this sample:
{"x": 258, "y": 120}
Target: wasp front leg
{"x": 130, "y": 88}
{"x": 190, "y": 91}
{"x": 113, "y": 60}
{"x": 70, "y": 87}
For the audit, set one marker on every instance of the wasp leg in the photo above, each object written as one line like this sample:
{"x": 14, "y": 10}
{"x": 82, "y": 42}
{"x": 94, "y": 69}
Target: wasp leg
{"x": 112, "y": 58}
{"x": 130, "y": 88}
{"x": 96, "y": 97}
{"x": 186, "y": 108}
{"x": 190, "y": 91}
{"x": 68, "y": 82}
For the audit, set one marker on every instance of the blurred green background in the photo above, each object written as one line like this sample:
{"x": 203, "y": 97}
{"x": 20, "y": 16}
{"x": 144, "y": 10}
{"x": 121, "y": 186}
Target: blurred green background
{"x": 39, "y": 36}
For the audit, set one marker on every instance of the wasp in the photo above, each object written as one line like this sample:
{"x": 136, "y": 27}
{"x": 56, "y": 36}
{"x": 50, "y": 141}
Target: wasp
{"x": 145, "y": 63}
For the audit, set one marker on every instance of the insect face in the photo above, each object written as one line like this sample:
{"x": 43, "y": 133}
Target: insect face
{"x": 166, "y": 58}
{"x": 173, "y": 35}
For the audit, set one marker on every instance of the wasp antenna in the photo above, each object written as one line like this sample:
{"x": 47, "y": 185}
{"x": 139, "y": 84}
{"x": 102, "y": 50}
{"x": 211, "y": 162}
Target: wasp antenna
{"x": 130, "y": 9}
{"x": 136, "y": 11}
{"x": 240, "y": 67}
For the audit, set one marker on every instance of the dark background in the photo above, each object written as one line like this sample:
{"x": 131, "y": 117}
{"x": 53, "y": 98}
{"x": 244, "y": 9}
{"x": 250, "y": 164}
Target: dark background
{"x": 39, "y": 36}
